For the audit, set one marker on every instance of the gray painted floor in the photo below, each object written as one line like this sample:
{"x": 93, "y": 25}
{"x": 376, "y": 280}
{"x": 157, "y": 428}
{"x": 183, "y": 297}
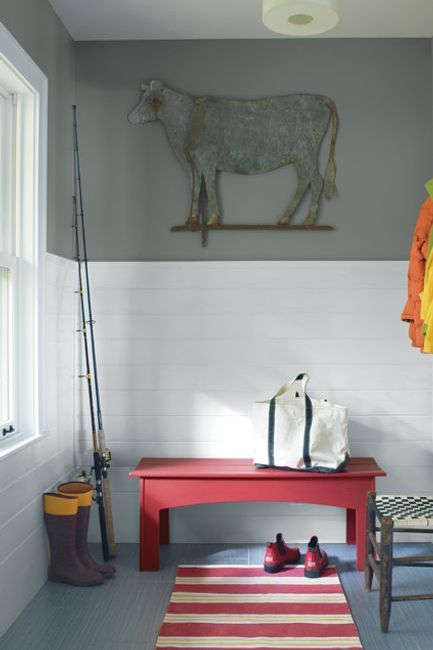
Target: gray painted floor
{"x": 126, "y": 612}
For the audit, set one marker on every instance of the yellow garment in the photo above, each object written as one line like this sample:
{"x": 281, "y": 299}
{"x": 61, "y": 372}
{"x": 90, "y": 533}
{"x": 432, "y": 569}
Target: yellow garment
{"x": 426, "y": 296}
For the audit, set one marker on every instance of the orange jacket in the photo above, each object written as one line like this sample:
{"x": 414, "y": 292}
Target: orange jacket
{"x": 417, "y": 261}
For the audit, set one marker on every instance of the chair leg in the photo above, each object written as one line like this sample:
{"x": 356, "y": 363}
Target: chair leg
{"x": 386, "y": 544}
{"x": 369, "y": 548}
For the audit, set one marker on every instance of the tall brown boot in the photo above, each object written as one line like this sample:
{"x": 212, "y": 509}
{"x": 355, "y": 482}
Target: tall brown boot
{"x": 83, "y": 492}
{"x": 60, "y": 513}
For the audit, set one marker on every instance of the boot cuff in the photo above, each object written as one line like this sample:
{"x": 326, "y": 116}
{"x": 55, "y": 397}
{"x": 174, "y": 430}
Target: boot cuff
{"x": 82, "y": 491}
{"x": 60, "y": 504}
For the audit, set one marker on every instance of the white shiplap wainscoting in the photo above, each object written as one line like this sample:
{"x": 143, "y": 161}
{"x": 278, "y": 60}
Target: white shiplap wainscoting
{"x": 28, "y": 472}
{"x": 185, "y": 348}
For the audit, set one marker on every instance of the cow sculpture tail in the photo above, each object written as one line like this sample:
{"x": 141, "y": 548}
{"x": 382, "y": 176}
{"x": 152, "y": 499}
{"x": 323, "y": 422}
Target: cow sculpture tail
{"x": 330, "y": 167}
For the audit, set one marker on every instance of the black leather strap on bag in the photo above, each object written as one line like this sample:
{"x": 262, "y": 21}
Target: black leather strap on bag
{"x": 271, "y": 432}
{"x": 307, "y": 431}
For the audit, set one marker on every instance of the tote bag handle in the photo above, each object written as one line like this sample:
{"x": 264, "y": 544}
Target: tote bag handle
{"x": 297, "y": 385}
{"x": 294, "y": 389}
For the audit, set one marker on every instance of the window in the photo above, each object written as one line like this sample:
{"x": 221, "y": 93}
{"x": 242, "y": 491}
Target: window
{"x": 23, "y": 109}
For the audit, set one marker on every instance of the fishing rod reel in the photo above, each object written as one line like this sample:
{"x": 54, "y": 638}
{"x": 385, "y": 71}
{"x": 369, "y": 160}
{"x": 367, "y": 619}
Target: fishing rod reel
{"x": 83, "y": 477}
{"x": 104, "y": 462}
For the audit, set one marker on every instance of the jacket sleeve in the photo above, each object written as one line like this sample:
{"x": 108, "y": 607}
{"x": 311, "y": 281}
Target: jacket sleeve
{"x": 415, "y": 277}
{"x": 417, "y": 263}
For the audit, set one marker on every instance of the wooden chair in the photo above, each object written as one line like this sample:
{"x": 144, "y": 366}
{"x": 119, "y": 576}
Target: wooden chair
{"x": 396, "y": 514}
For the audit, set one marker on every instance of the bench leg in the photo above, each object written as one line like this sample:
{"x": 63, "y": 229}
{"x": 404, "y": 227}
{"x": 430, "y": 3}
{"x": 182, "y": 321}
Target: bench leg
{"x": 350, "y": 526}
{"x": 360, "y": 538}
{"x": 164, "y": 526}
{"x": 149, "y": 531}
{"x": 369, "y": 547}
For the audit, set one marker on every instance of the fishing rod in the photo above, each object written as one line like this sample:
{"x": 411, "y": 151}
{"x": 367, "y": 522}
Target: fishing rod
{"x": 104, "y": 455}
{"x": 96, "y": 455}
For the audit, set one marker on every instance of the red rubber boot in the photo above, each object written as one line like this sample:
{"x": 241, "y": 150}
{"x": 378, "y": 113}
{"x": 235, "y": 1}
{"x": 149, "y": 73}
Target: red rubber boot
{"x": 316, "y": 559}
{"x": 278, "y": 554}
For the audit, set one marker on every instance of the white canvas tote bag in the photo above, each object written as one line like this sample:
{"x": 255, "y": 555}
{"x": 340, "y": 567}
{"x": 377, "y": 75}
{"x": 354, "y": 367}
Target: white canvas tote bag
{"x": 293, "y": 431}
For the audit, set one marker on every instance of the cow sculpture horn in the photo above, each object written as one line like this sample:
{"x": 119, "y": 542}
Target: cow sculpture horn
{"x": 155, "y": 85}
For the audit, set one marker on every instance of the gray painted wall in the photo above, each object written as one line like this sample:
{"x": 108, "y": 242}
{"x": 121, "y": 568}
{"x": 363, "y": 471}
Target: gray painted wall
{"x": 135, "y": 189}
{"x": 37, "y": 28}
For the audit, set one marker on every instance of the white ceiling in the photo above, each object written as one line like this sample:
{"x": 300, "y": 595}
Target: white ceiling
{"x": 181, "y": 19}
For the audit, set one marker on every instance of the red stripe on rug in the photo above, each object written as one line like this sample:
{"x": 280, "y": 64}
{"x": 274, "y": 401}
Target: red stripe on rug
{"x": 260, "y": 608}
{"x": 250, "y": 629}
{"x": 352, "y": 647}
{"x": 238, "y": 571}
{"x": 257, "y": 588}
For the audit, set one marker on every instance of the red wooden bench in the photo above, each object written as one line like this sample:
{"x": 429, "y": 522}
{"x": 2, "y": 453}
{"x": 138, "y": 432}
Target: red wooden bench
{"x": 171, "y": 482}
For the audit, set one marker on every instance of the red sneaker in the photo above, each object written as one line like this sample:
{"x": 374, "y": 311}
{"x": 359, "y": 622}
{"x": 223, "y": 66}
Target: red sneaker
{"x": 278, "y": 554}
{"x": 316, "y": 559}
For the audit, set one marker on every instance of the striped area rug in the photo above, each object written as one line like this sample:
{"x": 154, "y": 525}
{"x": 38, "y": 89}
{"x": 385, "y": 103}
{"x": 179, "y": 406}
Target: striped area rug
{"x": 239, "y": 606}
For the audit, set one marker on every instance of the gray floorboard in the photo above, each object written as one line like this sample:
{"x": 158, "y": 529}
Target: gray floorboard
{"x": 126, "y": 612}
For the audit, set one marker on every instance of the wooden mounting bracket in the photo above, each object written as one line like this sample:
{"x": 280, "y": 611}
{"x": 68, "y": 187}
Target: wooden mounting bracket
{"x": 204, "y": 228}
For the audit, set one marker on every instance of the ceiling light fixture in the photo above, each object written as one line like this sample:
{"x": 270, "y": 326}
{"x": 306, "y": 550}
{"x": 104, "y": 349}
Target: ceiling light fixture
{"x": 300, "y": 17}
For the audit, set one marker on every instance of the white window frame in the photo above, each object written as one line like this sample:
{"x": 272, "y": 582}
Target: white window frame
{"x": 21, "y": 77}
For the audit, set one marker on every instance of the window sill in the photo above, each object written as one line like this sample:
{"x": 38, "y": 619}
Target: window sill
{"x": 17, "y": 443}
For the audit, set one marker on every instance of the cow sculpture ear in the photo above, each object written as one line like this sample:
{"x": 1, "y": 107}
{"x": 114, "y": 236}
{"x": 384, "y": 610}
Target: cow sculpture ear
{"x": 155, "y": 102}
{"x": 143, "y": 87}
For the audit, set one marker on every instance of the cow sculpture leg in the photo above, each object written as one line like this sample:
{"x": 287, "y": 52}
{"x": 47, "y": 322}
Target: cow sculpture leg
{"x": 303, "y": 183}
{"x": 195, "y": 181}
{"x": 316, "y": 191}
{"x": 308, "y": 174}
{"x": 212, "y": 201}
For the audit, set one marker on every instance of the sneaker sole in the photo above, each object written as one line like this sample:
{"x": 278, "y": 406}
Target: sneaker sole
{"x": 273, "y": 569}
{"x": 280, "y": 567}
{"x": 309, "y": 573}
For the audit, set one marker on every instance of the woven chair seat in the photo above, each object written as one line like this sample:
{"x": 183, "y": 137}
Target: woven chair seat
{"x": 397, "y": 513}
{"x": 406, "y": 511}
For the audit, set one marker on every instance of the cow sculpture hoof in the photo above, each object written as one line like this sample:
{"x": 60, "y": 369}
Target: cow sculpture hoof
{"x": 309, "y": 221}
{"x": 191, "y": 222}
{"x": 284, "y": 220}
{"x": 214, "y": 220}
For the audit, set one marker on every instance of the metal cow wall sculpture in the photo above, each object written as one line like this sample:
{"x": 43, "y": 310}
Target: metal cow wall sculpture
{"x": 211, "y": 134}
